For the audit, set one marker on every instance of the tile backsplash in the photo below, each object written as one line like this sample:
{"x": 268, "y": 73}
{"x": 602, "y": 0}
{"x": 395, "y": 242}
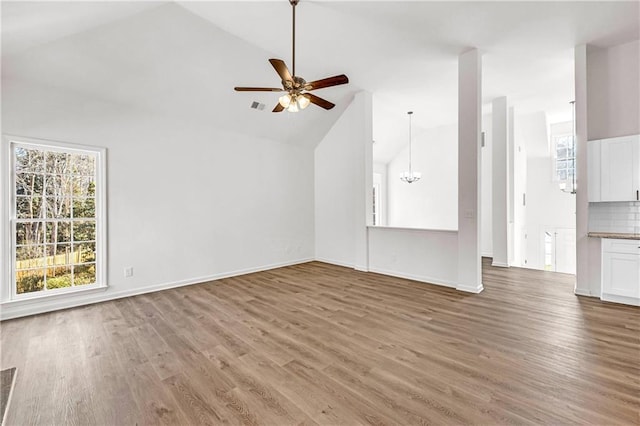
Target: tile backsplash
{"x": 623, "y": 217}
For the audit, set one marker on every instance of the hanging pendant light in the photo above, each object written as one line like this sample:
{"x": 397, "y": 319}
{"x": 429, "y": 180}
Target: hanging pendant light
{"x": 410, "y": 176}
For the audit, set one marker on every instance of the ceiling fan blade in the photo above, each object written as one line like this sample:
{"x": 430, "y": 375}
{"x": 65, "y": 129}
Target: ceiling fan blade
{"x": 258, "y": 89}
{"x": 278, "y": 108}
{"x": 336, "y": 80}
{"x": 319, "y": 101}
{"x": 281, "y": 69}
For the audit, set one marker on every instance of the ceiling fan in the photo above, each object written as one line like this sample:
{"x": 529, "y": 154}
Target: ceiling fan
{"x": 298, "y": 90}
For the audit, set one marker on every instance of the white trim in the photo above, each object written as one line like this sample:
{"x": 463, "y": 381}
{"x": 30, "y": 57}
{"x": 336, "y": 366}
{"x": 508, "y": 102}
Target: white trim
{"x": 5, "y": 225}
{"x": 499, "y": 264}
{"x": 583, "y": 292}
{"x": 421, "y": 278}
{"x": 7, "y": 254}
{"x": 620, "y": 299}
{"x": 403, "y": 228}
{"x": 470, "y": 289}
{"x": 335, "y": 262}
{"x": 16, "y": 309}
{"x": 37, "y": 296}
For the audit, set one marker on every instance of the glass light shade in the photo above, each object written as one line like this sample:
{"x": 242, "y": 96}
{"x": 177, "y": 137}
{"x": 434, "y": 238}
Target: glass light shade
{"x": 285, "y": 100}
{"x": 303, "y": 101}
{"x": 410, "y": 176}
{"x": 293, "y": 107}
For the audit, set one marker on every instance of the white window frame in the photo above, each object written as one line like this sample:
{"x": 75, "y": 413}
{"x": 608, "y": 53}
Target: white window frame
{"x": 554, "y": 157}
{"x": 8, "y": 290}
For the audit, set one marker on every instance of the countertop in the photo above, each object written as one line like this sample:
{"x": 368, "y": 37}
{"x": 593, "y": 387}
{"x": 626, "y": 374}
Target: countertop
{"x": 617, "y": 236}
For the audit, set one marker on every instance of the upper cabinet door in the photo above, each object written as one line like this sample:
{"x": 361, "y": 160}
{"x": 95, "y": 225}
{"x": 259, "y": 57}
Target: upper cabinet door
{"x": 620, "y": 169}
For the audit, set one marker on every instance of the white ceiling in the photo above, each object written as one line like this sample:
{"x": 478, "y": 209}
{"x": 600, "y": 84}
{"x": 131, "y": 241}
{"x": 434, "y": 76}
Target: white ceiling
{"x": 184, "y": 58}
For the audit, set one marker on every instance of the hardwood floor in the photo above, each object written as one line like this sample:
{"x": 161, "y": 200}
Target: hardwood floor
{"x": 316, "y": 343}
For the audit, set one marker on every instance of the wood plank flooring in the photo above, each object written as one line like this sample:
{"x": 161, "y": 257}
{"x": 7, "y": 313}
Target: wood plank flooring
{"x": 322, "y": 344}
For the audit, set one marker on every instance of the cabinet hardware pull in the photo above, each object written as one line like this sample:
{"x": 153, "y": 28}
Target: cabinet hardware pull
{"x": 637, "y": 194}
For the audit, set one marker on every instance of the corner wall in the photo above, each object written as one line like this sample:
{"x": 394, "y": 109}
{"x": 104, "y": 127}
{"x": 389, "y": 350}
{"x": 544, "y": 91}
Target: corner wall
{"x": 613, "y": 87}
{"x": 343, "y": 187}
{"x": 186, "y": 202}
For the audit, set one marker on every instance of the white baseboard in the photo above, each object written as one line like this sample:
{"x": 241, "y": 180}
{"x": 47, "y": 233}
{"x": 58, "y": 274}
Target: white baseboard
{"x": 583, "y": 292}
{"x": 499, "y": 264}
{"x": 334, "y": 262}
{"x": 621, "y": 299}
{"x": 16, "y": 309}
{"x": 470, "y": 288}
{"x": 427, "y": 280}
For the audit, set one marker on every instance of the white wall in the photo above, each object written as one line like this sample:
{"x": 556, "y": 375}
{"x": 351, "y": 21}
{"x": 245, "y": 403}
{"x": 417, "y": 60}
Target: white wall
{"x": 429, "y": 256}
{"x": 339, "y": 163}
{"x": 186, "y": 202}
{"x": 469, "y": 159}
{"x": 432, "y": 202}
{"x": 613, "y": 85}
{"x": 380, "y": 177}
{"x": 520, "y": 216}
{"x": 588, "y": 268}
{"x": 423, "y": 255}
{"x": 501, "y": 180}
{"x": 547, "y": 207}
{"x": 486, "y": 203}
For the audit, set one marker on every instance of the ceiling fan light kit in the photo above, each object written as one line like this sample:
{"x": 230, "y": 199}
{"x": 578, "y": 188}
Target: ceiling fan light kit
{"x": 298, "y": 95}
{"x": 294, "y": 103}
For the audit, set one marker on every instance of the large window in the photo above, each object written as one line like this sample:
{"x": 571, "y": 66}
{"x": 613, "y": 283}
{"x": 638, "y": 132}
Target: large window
{"x": 565, "y": 158}
{"x": 57, "y": 220}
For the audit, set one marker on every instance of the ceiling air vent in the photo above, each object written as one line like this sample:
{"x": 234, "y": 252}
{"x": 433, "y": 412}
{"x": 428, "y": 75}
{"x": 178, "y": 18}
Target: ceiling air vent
{"x": 257, "y": 105}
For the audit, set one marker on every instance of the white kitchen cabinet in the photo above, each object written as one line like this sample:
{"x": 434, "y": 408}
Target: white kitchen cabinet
{"x": 621, "y": 271}
{"x": 619, "y": 169}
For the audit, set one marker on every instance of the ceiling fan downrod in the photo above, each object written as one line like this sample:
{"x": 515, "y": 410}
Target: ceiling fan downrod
{"x": 297, "y": 89}
{"x": 294, "y": 3}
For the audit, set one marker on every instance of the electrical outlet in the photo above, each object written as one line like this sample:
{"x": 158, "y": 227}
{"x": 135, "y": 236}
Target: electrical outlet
{"x": 128, "y": 272}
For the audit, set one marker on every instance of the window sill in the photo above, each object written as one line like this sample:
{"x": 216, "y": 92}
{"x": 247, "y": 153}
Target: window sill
{"x": 40, "y": 298}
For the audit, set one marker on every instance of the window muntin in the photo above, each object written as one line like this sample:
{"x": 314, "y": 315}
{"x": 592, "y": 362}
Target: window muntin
{"x": 565, "y": 158}
{"x": 55, "y": 222}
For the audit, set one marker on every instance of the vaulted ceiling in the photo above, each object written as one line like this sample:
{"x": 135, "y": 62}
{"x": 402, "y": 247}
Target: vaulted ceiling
{"x": 185, "y": 58}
